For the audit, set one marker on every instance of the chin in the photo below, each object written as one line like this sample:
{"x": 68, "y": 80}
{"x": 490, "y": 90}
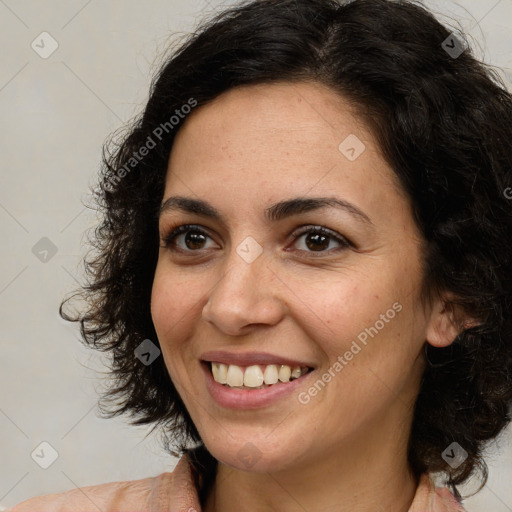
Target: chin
{"x": 246, "y": 453}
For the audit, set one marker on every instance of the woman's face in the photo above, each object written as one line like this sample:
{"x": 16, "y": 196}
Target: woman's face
{"x": 345, "y": 303}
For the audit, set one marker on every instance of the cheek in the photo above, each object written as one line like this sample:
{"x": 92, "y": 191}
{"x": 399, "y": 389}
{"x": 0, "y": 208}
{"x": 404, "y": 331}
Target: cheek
{"x": 175, "y": 309}
{"x": 168, "y": 315}
{"x": 163, "y": 309}
{"x": 165, "y": 314}
{"x": 171, "y": 298}
{"x": 342, "y": 309}
{"x": 370, "y": 340}
{"x": 371, "y": 318}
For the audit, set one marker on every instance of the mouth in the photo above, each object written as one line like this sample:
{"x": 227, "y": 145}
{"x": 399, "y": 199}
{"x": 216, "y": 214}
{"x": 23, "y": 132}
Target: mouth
{"x": 256, "y": 376}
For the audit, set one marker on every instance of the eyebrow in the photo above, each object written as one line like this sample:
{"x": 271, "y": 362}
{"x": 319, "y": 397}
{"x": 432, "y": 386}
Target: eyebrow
{"x": 275, "y": 212}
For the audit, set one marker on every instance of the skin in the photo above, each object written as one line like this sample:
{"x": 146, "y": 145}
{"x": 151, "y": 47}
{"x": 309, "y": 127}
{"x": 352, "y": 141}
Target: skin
{"x": 345, "y": 450}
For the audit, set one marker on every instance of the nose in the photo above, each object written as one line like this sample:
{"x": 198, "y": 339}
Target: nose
{"x": 246, "y": 294}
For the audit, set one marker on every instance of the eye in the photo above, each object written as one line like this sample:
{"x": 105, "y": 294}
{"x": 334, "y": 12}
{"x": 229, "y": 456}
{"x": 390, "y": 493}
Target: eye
{"x": 319, "y": 238}
{"x": 193, "y": 240}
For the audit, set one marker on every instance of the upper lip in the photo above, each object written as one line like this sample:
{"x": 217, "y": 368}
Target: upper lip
{"x": 250, "y": 358}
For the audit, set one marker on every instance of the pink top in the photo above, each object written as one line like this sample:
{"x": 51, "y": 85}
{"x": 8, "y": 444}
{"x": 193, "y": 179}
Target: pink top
{"x": 176, "y": 492}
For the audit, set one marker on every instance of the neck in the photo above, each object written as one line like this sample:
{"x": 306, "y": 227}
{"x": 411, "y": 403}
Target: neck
{"x": 360, "y": 476}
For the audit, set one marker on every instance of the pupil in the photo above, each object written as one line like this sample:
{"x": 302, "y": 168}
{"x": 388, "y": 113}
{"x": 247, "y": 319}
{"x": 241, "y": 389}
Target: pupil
{"x": 193, "y": 238}
{"x": 315, "y": 238}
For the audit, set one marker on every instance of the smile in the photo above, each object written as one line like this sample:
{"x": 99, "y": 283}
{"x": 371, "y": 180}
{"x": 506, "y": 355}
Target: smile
{"x": 255, "y": 376}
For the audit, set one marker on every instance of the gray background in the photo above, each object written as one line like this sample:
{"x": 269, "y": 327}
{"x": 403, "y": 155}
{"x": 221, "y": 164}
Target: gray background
{"x": 55, "y": 114}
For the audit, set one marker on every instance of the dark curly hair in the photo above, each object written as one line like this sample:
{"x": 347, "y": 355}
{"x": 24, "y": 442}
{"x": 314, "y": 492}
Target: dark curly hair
{"x": 443, "y": 122}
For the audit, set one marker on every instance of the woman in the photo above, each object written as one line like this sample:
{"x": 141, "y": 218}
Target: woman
{"x": 303, "y": 272}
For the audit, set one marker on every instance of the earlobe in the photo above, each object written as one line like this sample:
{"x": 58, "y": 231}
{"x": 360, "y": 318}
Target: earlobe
{"x": 443, "y": 327}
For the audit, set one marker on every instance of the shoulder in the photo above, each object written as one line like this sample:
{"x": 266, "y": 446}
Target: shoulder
{"x": 113, "y": 496}
{"x": 155, "y": 494}
{"x": 430, "y": 498}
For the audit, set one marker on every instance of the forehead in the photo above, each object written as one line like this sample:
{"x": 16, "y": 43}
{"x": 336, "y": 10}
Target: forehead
{"x": 259, "y": 141}
{"x": 295, "y": 113}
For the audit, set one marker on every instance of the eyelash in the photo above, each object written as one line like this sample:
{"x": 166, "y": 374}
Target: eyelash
{"x": 344, "y": 242}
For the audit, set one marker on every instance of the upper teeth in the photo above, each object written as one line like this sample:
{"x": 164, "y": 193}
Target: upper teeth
{"x": 254, "y": 376}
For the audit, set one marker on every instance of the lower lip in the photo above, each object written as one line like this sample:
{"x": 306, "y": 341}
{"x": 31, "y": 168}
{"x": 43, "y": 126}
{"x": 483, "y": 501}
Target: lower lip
{"x": 235, "y": 398}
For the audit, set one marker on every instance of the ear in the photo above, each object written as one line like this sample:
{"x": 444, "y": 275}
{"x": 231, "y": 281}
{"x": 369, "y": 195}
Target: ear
{"x": 446, "y": 322}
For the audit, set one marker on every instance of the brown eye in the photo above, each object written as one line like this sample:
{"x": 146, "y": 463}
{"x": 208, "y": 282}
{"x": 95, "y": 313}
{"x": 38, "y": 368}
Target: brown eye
{"x": 194, "y": 238}
{"x": 318, "y": 239}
